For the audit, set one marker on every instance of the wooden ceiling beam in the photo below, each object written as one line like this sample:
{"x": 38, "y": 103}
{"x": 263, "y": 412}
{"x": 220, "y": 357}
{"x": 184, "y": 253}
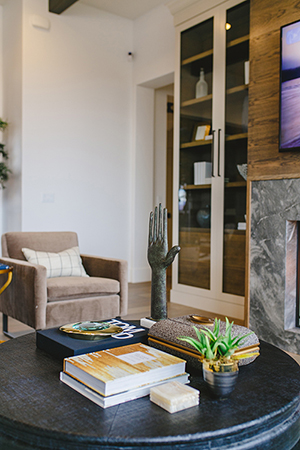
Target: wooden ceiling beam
{"x": 59, "y": 6}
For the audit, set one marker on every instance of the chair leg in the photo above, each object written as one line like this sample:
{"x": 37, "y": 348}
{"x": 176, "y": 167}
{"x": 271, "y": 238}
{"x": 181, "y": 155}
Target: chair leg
{"x": 5, "y": 326}
{"x": 4, "y": 316}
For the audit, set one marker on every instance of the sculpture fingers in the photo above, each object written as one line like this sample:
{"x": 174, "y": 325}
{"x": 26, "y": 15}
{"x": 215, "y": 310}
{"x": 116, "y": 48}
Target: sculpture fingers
{"x": 160, "y": 223}
{"x": 171, "y": 255}
{"x": 155, "y": 225}
{"x": 150, "y": 239}
{"x": 165, "y": 230}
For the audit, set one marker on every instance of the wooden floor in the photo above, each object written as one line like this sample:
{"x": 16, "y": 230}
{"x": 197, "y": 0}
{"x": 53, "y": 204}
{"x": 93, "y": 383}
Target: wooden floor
{"x": 138, "y": 306}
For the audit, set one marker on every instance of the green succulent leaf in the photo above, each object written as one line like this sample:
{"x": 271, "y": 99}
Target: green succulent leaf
{"x": 209, "y": 353}
{"x": 217, "y": 327}
{"x": 238, "y": 339}
{"x": 194, "y": 343}
{"x": 198, "y": 333}
{"x": 213, "y": 345}
{"x": 209, "y": 334}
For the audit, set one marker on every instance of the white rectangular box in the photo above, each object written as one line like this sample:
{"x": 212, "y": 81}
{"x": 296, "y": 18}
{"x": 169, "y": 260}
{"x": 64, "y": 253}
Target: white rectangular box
{"x": 202, "y": 172}
{"x": 242, "y": 226}
{"x": 246, "y": 72}
{"x": 174, "y": 396}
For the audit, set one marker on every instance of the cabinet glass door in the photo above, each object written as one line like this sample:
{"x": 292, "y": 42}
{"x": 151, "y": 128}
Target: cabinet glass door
{"x": 195, "y": 159}
{"x": 236, "y": 129}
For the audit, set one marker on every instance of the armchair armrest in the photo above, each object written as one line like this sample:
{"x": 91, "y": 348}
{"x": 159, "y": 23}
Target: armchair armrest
{"x": 25, "y": 299}
{"x": 116, "y": 269}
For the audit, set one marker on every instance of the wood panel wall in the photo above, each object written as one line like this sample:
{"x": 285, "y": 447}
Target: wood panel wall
{"x": 264, "y": 160}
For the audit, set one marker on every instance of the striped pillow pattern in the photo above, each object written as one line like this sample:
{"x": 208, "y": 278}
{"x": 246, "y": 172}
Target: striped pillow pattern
{"x": 63, "y": 264}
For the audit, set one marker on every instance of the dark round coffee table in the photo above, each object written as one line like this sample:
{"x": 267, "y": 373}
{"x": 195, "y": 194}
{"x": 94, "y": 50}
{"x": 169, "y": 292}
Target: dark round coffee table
{"x": 37, "y": 411}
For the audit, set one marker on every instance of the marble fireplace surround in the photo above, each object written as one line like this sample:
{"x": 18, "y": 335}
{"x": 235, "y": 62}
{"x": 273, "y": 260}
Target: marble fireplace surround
{"x": 275, "y": 209}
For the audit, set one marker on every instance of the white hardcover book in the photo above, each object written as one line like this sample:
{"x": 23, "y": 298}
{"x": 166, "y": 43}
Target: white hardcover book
{"x": 196, "y": 173}
{"x": 106, "y": 402}
{"x": 202, "y": 172}
{"x": 207, "y": 175}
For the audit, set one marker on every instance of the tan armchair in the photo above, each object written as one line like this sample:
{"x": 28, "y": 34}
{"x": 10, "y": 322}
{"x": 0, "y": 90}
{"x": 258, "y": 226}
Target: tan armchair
{"x": 42, "y": 302}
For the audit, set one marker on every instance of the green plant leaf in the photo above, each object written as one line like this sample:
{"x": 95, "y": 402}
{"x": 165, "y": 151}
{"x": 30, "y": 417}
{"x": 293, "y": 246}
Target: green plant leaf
{"x": 217, "y": 327}
{"x": 198, "y": 333}
{"x": 238, "y": 339}
{"x": 209, "y": 353}
{"x": 3, "y": 152}
{"x": 193, "y": 342}
{"x": 209, "y": 334}
{"x": 3, "y": 124}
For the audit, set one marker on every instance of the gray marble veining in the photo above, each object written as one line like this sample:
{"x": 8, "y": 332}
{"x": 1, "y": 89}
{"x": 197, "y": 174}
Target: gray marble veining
{"x": 275, "y": 208}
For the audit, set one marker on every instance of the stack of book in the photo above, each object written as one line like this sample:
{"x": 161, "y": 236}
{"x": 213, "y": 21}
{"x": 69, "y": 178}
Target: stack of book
{"x": 62, "y": 345}
{"x": 117, "y": 375}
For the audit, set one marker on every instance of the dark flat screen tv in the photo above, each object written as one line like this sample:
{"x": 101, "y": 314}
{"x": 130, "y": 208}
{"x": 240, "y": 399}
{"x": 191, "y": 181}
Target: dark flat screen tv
{"x": 289, "y": 127}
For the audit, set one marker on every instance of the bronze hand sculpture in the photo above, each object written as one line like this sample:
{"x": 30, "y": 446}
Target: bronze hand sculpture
{"x": 159, "y": 259}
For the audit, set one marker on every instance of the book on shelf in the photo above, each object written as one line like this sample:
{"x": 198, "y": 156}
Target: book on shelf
{"x": 60, "y": 345}
{"x": 123, "y": 368}
{"x": 202, "y": 172}
{"x": 122, "y": 397}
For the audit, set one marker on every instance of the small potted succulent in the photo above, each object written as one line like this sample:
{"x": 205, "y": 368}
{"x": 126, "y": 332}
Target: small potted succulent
{"x": 219, "y": 364}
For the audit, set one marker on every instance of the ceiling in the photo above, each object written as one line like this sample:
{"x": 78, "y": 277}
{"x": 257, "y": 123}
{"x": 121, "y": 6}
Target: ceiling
{"x": 130, "y": 9}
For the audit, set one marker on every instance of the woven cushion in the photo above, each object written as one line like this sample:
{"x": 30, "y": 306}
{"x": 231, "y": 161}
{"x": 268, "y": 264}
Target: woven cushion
{"x": 68, "y": 288}
{"x": 63, "y": 264}
{"x": 164, "y": 334}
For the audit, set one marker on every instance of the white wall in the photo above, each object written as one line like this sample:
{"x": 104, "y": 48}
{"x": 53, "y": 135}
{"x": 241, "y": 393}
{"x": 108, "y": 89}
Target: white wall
{"x": 76, "y": 92}
{"x": 154, "y": 46}
{"x": 81, "y": 124}
{"x": 12, "y": 112}
{"x": 160, "y": 144}
{"x": 1, "y": 108}
{"x": 154, "y": 53}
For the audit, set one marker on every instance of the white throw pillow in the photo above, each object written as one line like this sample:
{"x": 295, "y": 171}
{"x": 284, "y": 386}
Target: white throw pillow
{"x": 63, "y": 264}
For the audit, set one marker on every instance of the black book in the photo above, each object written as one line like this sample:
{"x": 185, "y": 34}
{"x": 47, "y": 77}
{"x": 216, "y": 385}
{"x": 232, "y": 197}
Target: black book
{"x": 60, "y": 345}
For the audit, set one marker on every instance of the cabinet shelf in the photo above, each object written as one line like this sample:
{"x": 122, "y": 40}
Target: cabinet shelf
{"x": 195, "y": 101}
{"x": 210, "y": 52}
{"x": 230, "y": 184}
{"x": 197, "y": 57}
{"x": 238, "y": 41}
{"x": 189, "y": 187}
{"x": 196, "y": 143}
{"x": 236, "y": 137}
{"x": 234, "y": 184}
{"x": 233, "y": 137}
{"x": 236, "y": 89}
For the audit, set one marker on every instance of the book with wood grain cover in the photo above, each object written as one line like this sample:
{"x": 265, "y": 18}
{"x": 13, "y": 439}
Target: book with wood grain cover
{"x": 119, "y": 369}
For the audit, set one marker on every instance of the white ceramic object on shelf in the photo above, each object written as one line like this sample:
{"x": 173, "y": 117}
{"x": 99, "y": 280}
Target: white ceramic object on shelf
{"x": 201, "y": 86}
{"x": 242, "y": 168}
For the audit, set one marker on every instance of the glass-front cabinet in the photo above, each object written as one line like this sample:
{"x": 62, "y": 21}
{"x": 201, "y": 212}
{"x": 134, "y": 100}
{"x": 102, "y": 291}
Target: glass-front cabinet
{"x": 211, "y": 157}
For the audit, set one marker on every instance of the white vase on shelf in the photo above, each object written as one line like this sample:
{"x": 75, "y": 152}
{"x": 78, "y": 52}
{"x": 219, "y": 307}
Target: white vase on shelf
{"x": 201, "y": 86}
